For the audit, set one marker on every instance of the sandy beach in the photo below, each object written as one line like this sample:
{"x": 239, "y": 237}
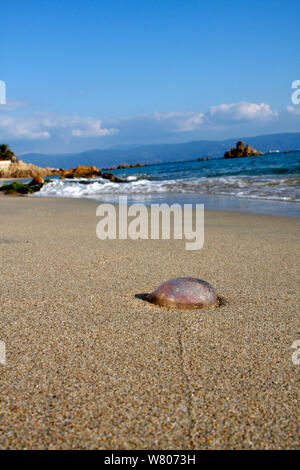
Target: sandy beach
{"x": 90, "y": 366}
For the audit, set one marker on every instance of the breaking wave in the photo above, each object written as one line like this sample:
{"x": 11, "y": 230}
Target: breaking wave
{"x": 262, "y": 187}
{"x": 275, "y": 177}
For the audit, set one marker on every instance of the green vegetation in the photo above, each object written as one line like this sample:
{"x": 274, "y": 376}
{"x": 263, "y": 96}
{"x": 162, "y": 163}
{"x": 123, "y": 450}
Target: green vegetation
{"x": 6, "y": 153}
{"x": 21, "y": 188}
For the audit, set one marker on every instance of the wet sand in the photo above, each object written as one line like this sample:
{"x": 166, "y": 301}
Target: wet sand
{"x": 90, "y": 366}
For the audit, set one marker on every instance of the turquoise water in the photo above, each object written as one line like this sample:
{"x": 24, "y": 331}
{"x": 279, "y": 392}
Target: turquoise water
{"x": 274, "y": 176}
{"x": 271, "y": 180}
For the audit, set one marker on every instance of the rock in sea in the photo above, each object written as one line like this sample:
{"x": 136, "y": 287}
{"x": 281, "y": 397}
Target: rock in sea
{"x": 184, "y": 292}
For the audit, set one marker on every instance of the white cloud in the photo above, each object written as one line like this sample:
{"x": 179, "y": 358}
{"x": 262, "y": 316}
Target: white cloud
{"x": 181, "y": 121}
{"x": 44, "y": 126}
{"x": 293, "y": 110}
{"x": 21, "y": 128}
{"x": 92, "y": 128}
{"x": 158, "y": 126}
{"x": 217, "y": 117}
{"x": 240, "y": 112}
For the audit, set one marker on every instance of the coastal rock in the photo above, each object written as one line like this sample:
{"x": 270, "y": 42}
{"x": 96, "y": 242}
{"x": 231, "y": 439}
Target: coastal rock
{"x": 109, "y": 168}
{"x": 122, "y": 167}
{"x": 19, "y": 169}
{"x": 249, "y": 151}
{"x": 240, "y": 147}
{"x": 88, "y": 172}
{"x": 11, "y": 167}
{"x": 185, "y": 293}
{"x": 241, "y": 151}
{"x": 82, "y": 172}
{"x": 111, "y": 177}
{"x": 37, "y": 180}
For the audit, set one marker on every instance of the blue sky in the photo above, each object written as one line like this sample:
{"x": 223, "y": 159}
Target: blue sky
{"x": 84, "y": 74}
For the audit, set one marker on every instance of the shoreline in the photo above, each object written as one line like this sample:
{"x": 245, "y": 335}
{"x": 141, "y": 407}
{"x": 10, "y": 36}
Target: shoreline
{"x": 294, "y": 212}
{"x": 221, "y": 211}
{"x": 211, "y": 202}
{"x": 89, "y": 201}
{"x": 90, "y": 366}
{"x": 13, "y": 179}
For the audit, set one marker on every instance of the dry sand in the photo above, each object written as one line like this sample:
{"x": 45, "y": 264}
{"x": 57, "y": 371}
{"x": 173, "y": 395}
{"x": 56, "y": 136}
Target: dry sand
{"x": 91, "y": 366}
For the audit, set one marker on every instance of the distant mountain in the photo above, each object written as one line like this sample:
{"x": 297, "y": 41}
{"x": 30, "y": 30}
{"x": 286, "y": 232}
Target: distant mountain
{"x": 158, "y": 153}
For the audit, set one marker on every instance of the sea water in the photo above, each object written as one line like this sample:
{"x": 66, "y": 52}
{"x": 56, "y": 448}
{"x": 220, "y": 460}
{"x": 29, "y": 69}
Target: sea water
{"x": 268, "y": 184}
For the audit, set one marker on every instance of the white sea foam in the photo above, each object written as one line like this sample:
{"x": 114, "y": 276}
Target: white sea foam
{"x": 258, "y": 187}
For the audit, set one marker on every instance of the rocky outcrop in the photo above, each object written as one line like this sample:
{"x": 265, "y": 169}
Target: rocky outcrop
{"x": 81, "y": 172}
{"x": 19, "y": 169}
{"x": 122, "y": 167}
{"x": 38, "y": 180}
{"x": 111, "y": 177}
{"x": 136, "y": 165}
{"x": 242, "y": 151}
{"x": 21, "y": 189}
{"x": 88, "y": 172}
